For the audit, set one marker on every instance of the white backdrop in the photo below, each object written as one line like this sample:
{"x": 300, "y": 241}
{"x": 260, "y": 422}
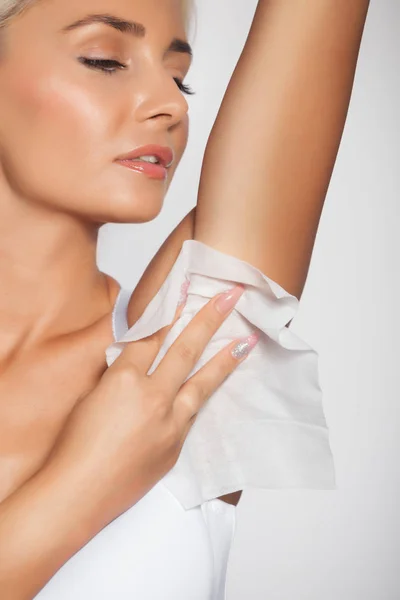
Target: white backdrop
{"x": 313, "y": 544}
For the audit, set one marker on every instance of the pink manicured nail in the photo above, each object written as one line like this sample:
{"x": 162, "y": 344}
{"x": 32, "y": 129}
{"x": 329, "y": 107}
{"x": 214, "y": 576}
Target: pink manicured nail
{"x": 228, "y": 300}
{"x": 244, "y": 347}
{"x": 184, "y": 292}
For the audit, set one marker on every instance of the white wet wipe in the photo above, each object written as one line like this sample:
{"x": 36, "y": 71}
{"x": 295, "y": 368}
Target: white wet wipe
{"x": 264, "y": 427}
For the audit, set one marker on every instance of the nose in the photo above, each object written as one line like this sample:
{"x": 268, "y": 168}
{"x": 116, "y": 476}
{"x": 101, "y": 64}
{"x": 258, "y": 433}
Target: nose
{"x": 161, "y": 98}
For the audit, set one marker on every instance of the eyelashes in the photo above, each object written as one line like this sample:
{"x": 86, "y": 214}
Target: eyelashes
{"x": 108, "y": 66}
{"x": 111, "y": 67}
{"x": 186, "y": 89}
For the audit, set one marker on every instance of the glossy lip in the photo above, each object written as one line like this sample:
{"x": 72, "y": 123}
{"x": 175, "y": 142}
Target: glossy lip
{"x": 164, "y": 154}
{"x": 154, "y": 171}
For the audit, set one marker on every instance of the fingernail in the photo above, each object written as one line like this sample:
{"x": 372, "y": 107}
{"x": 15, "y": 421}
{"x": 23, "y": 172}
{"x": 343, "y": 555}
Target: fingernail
{"x": 184, "y": 292}
{"x": 245, "y": 346}
{"x": 228, "y": 300}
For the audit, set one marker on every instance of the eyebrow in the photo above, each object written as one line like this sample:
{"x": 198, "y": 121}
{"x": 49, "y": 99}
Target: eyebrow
{"x": 137, "y": 30}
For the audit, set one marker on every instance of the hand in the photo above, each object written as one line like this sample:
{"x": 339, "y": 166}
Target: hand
{"x": 128, "y": 432}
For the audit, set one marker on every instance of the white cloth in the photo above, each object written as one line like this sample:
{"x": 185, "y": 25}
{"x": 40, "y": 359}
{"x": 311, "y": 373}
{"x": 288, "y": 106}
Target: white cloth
{"x": 264, "y": 427}
{"x": 156, "y": 550}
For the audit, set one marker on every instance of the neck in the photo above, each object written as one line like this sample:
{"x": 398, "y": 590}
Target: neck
{"x": 50, "y": 283}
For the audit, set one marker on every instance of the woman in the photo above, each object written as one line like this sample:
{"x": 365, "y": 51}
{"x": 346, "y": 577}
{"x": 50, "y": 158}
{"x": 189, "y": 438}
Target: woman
{"x": 78, "y": 94}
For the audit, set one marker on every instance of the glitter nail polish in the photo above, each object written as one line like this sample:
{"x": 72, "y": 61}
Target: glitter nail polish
{"x": 244, "y": 347}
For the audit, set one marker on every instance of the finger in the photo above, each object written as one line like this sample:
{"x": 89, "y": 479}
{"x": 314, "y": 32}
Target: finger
{"x": 188, "y": 347}
{"x": 143, "y": 352}
{"x": 197, "y": 390}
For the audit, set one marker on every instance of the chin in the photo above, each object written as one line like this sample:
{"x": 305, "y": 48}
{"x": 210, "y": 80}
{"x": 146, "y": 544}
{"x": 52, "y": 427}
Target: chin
{"x": 125, "y": 208}
{"x": 139, "y": 205}
{"x": 131, "y": 199}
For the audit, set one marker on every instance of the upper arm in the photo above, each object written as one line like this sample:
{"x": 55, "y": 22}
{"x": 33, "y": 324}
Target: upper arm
{"x": 272, "y": 149}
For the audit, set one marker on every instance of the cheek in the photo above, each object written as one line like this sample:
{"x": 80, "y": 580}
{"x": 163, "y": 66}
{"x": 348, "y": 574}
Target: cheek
{"x": 75, "y": 120}
{"x": 56, "y": 116}
{"x": 55, "y": 135}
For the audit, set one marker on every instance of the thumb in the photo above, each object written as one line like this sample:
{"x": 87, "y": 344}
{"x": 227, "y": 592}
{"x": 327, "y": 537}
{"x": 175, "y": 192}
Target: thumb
{"x": 142, "y": 353}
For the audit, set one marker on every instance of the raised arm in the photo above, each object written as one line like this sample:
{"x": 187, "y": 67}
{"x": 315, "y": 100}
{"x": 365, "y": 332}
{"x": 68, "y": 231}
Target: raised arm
{"x": 272, "y": 149}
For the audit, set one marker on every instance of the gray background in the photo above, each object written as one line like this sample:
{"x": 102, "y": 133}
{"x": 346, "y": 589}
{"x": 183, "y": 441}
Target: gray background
{"x": 313, "y": 544}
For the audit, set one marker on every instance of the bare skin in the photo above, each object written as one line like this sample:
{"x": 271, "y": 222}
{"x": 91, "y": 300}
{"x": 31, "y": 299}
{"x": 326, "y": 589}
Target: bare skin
{"x": 51, "y": 101}
{"x": 61, "y": 118}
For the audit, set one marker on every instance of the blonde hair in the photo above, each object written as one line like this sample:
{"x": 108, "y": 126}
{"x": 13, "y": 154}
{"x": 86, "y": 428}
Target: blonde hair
{"x": 10, "y": 9}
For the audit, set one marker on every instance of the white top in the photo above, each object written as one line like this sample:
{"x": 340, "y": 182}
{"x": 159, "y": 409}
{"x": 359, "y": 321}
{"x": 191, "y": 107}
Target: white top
{"x": 156, "y": 550}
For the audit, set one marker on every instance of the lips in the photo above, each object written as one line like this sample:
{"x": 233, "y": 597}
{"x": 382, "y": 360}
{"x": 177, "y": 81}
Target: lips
{"x": 164, "y": 154}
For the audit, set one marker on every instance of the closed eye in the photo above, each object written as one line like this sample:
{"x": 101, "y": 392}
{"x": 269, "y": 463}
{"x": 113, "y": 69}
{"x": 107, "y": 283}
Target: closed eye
{"x": 102, "y": 64}
{"x": 111, "y": 66}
